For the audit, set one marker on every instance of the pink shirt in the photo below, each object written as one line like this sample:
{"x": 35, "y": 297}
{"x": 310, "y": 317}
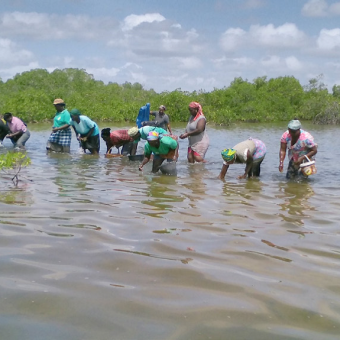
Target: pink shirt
{"x": 17, "y": 125}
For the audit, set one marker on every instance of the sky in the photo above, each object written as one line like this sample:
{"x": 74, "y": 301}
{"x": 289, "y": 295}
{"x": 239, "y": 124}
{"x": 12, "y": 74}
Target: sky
{"x": 174, "y": 44}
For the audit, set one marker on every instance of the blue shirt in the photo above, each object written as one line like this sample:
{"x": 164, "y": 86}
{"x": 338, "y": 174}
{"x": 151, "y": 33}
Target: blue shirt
{"x": 85, "y": 125}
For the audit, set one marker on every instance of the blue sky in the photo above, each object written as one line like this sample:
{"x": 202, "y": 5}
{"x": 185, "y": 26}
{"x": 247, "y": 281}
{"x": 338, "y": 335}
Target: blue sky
{"x": 172, "y": 44}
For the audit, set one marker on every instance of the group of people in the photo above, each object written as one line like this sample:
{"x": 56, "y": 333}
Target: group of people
{"x": 161, "y": 144}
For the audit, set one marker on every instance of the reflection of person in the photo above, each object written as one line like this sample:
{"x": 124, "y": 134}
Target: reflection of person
{"x": 142, "y": 133}
{"x": 19, "y": 133}
{"x": 117, "y": 139}
{"x": 163, "y": 148}
{"x": 161, "y": 119}
{"x": 251, "y": 152}
{"x": 196, "y": 134}
{"x": 300, "y": 143}
{"x": 4, "y": 130}
{"x": 60, "y": 138}
{"x": 87, "y": 131}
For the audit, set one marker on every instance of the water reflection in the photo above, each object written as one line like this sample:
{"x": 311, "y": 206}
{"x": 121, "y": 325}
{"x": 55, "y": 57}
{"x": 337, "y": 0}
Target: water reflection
{"x": 295, "y": 201}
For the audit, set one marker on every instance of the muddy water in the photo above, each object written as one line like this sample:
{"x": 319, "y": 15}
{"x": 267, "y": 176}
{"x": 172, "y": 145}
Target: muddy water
{"x": 91, "y": 248}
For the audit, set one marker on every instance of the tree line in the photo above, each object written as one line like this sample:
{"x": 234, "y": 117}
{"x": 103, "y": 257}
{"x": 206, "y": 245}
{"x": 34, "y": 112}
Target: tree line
{"x": 29, "y": 95}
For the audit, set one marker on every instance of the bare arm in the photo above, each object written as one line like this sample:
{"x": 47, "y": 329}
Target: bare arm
{"x": 60, "y": 128}
{"x": 249, "y": 164}
{"x": 199, "y": 129}
{"x": 145, "y": 160}
{"x": 282, "y": 155}
{"x": 223, "y": 171}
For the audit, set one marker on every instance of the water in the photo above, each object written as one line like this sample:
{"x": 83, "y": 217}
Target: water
{"x": 91, "y": 248}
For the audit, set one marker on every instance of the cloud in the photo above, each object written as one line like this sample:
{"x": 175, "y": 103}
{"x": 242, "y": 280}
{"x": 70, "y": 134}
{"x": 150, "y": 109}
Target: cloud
{"x": 42, "y": 26}
{"x": 253, "y": 4}
{"x": 281, "y": 37}
{"x": 320, "y": 8}
{"x": 329, "y": 39}
{"x": 11, "y": 54}
{"x": 133, "y": 20}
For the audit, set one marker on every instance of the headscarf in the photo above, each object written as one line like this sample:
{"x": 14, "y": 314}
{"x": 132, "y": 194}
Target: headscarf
{"x": 106, "y": 132}
{"x": 75, "y": 112}
{"x": 228, "y": 154}
{"x": 162, "y": 107}
{"x": 133, "y": 131}
{"x": 153, "y": 135}
{"x": 195, "y": 105}
{"x": 294, "y": 124}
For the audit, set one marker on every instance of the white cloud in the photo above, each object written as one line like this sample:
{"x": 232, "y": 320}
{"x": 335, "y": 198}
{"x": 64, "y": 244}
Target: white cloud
{"x": 233, "y": 38}
{"x": 133, "y": 20}
{"x": 284, "y": 36}
{"x": 293, "y": 63}
{"x": 189, "y": 63}
{"x": 11, "y": 54}
{"x": 315, "y": 8}
{"x": 42, "y": 26}
{"x": 287, "y": 35}
{"x": 329, "y": 39}
{"x": 320, "y": 8}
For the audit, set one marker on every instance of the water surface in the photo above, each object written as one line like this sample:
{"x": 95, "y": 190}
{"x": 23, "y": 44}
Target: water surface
{"x": 91, "y": 248}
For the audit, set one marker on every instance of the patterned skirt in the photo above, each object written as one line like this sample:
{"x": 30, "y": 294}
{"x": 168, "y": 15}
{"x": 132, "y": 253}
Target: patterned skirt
{"x": 61, "y": 137}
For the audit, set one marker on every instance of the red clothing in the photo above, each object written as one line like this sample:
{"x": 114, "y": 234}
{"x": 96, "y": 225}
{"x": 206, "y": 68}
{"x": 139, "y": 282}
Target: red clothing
{"x": 120, "y": 137}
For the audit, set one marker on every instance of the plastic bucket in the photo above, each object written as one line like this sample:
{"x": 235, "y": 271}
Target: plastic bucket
{"x": 168, "y": 168}
{"x": 308, "y": 168}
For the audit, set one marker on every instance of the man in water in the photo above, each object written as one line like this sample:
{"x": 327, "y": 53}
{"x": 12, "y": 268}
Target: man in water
{"x": 161, "y": 119}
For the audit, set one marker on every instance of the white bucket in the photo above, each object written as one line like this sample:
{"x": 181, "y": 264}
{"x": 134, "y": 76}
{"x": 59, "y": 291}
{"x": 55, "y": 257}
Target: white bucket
{"x": 308, "y": 168}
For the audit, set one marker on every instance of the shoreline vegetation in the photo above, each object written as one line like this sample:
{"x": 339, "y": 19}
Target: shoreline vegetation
{"x": 30, "y": 95}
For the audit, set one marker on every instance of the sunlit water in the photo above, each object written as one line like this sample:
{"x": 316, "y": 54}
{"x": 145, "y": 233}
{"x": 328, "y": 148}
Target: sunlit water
{"x": 91, "y": 248}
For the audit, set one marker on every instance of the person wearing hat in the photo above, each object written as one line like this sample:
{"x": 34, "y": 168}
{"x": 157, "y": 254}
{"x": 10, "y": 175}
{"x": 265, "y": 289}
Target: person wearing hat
{"x": 162, "y": 148}
{"x": 251, "y": 152}
{"x": 19, "y": 133}
{"x": 300, "y": 143}
{"x": 60, "y": 138}
{"x": 142, "y": 133}
{"x": 117, "y": 139}
{"x": 86, "y": 130}
{"x": 161, "y": 119}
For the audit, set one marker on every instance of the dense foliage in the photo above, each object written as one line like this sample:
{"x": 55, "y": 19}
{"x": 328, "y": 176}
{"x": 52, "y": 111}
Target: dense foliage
{"x": 29, "y": 95}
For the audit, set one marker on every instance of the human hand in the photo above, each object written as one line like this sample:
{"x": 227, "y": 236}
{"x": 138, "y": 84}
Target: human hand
{"x": 281, "y": 167}
{"x": 83, "y": 139}
{"x": 55, "y": 129}
{"x": 9, "y": 135}
{"x": 183, "y": 136}
{"x": 140, "y": 167}
{"x": 242, "y": 176}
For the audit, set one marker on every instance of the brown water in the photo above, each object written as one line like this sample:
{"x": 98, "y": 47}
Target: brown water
{"x": 91, "y": 248}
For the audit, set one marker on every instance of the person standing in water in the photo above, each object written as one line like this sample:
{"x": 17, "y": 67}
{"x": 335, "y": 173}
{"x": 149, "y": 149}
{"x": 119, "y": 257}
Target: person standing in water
{"x": 196, "y": 134}
{"x": 300, "y": 143}
{"x": 60, "y": 138}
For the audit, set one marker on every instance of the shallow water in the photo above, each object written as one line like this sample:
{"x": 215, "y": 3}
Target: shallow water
{"x": 91, "y": 248}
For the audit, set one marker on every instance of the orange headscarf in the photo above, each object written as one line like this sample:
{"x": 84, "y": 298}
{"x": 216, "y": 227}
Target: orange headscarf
{"x": 195, "y": 105}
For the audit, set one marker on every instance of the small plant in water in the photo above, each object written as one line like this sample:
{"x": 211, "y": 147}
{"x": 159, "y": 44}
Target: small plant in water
{"x": 14, "y": 161}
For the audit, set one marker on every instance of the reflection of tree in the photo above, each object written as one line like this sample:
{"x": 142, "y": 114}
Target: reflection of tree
{"x": 295, "y": 196}
{"x": 17, "y": 196}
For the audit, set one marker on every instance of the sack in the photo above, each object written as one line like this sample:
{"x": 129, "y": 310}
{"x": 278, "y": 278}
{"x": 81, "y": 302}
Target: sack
{"x": 308, "y": 168}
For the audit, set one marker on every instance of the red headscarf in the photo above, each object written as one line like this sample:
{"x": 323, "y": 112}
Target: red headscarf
{"x": 195, "y": 105}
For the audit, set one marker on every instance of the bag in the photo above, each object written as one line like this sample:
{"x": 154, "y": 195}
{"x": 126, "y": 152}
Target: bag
{"x": 308, "y": 168}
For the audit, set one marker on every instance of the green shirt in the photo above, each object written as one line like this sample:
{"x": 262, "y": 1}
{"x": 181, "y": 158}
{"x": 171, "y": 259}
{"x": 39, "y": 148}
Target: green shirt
{"x": 144, "y": 132}
{"x": 62, "y": 118}
{"x": 166, "y": 145}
